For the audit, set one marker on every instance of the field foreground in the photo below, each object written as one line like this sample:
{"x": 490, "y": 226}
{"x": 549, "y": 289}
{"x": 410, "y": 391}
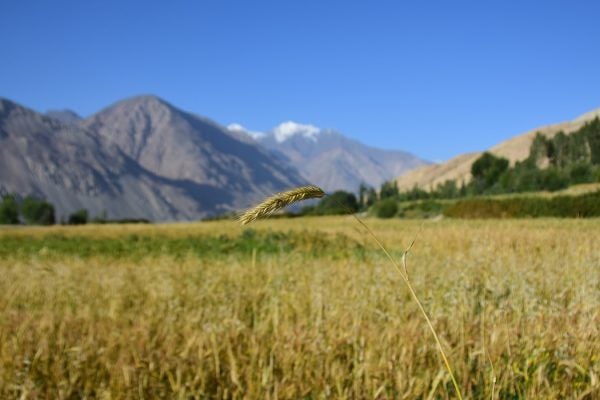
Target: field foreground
{"x": 305, "y": 308}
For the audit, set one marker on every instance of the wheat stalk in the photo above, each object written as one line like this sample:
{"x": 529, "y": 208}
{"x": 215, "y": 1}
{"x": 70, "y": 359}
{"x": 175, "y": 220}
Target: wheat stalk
{"x": 405, "y": 278}
{"x": 279, "y": 201}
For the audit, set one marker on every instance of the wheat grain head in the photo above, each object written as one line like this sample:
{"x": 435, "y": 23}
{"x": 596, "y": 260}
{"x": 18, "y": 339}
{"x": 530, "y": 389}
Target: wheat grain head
{"x": 279, "y": 201}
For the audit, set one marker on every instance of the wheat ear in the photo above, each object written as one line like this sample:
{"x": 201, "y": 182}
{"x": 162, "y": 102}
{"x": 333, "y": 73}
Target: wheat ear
{"x": 279, "y": 201}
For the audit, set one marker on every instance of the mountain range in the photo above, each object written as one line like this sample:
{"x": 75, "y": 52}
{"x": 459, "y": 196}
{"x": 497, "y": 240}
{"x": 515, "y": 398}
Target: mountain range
{"x": 459, "y": 168}
{"x": 331, "y": 160}
{"x": 144, "y": 158}
{"x": 140, "y": 158}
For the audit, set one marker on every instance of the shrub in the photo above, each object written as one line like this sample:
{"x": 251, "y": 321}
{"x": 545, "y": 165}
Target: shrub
{"x": 386, "y": 208}
{"x": 587, "y": 205}
{"x": 423, "y": 209}
{"x": 79, "y": 217}
{"x": 337, "y": 203}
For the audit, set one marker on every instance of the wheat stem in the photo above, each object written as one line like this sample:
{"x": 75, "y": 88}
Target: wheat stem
{"x": 416, "y": 299}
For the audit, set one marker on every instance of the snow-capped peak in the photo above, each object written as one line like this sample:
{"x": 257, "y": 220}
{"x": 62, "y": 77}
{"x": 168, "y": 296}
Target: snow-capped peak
{"x": 288, "y": 129}
{"x": 239, "y": 128}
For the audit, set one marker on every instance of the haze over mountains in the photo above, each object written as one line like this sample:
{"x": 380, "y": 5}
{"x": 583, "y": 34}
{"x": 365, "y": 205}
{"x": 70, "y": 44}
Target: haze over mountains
{"x": 329, "y": 159}
{"x": 459, "y": 168}
{"x": 144, "y": 158}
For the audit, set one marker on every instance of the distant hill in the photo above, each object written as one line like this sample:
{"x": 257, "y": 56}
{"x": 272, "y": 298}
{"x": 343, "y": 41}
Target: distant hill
{"x": 459, "y": 168}
{"x": 331, "y": 160}
{"x": 140, "y": 158}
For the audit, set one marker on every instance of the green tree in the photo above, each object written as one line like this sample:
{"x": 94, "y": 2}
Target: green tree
{"x": 9, "y": 210}
{"x": 541, "y": 148}
{"x": 371, "y": 197}
{"x": 552, "y": 179}
{"x": 486, "y": 171}
{"x": 446, "y": 190}
{"x": 337, "y": 203}
{"x": 389, "y": 189}
{"x": 416, "y": 193}
{"x": 581, "y": 173}
{"x": 592, "y": 134}
{"x": 561, "y": 153}
{"x": 37, "y": 212}
{"x": 79, "y": 217}
{"x": 363, "y": 195}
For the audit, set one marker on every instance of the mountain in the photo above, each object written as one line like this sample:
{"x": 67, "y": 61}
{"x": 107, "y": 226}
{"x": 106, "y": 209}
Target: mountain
{"x": 178, "y": 145}
{"x": 331, "y": 160}
{"x": 141, "y": 158}
{"x": 459, "y": 168}
{"x": 65, "y": 115}
{"x": 73, "y": 168}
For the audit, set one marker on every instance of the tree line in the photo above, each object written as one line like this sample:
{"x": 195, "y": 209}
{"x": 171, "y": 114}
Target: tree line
{"x": 34, "y": 211}
{"x": 552, "y": 164}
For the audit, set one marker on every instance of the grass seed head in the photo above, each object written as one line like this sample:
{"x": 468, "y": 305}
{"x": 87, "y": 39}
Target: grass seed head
{"x": 279, "y": 201}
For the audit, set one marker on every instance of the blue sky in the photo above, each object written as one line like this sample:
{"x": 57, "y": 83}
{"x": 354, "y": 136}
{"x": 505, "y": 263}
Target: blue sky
{"x": 434, "y": 78}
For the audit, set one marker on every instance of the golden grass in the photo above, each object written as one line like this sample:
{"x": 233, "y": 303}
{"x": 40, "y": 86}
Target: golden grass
{"x": 521, "y": 296}
{"x": 280, "y": 200}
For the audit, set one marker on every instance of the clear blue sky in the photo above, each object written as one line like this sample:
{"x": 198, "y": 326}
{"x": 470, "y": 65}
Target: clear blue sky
{"x": 435, "y": 78}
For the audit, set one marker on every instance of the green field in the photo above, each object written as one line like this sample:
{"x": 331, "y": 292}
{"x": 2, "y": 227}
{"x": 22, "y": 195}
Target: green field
{"x": 303, "y": 308}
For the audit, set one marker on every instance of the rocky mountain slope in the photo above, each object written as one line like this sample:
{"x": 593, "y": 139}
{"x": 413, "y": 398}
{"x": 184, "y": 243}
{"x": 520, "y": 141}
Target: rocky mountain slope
{"x": 459, "y": 168}
{"x": 331, "y": 160}
{"x": 183, "y": 146}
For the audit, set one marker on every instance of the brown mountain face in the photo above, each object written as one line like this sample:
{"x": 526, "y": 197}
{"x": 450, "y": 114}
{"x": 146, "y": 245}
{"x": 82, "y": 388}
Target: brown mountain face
{"x": 140, "y": 158}
{"x": 459, "y": 168}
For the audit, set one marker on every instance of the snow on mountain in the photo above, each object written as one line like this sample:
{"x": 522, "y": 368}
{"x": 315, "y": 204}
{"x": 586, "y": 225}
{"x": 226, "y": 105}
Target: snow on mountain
{"x": 241, "y": 129}
{"x": 286, "y": 130}
{"x": 329, "y": 159}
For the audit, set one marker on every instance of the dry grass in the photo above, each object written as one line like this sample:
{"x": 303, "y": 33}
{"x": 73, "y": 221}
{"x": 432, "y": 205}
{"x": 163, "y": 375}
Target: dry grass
{"x": 524, "y": 295}
{"x": 283, "y": 199}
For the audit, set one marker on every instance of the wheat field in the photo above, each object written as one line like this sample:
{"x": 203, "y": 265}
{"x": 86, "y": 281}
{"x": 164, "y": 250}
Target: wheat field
{"x": 304, "y": 308}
